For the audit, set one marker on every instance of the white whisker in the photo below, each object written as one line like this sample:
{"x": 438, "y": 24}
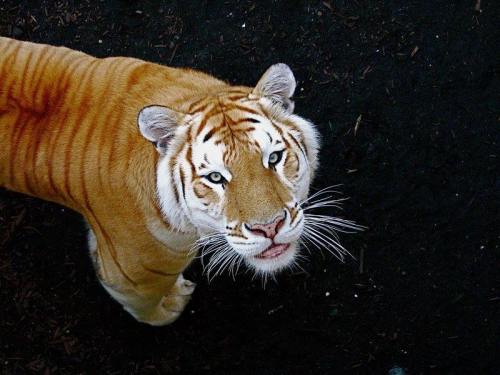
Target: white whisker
{"x": 336, "y": 203}
{"x": 312, "y": 236}
{"x": 326, "y": 190}
{"x": 328, "y": 240}
{"x": 303, "y": 243}
{"x": 320, "y": 232}
{"x": 335, "y": 222}
{"x": 323, "y": 226}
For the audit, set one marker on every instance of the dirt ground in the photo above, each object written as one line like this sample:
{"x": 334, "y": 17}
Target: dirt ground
{"x": 404, "y": 95}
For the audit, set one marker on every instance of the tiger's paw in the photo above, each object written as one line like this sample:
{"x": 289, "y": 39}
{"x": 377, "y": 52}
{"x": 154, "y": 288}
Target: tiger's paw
{"x": 183, "y": 287}
{"x": 173, "y": 304}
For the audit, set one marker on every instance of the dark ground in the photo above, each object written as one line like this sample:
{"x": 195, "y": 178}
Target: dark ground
{"x": 422, "y": 171}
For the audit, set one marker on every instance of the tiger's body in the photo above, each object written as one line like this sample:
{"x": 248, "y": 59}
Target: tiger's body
{"x": 69, "y": 133}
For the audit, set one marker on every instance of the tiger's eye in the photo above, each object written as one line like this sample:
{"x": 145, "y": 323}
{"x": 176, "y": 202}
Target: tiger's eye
{"x": 275, "y": 158}
{"x": 215, "y": 178}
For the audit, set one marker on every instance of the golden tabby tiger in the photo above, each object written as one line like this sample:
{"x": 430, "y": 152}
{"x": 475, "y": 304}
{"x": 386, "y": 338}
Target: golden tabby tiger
{"x": 156, "y": 158}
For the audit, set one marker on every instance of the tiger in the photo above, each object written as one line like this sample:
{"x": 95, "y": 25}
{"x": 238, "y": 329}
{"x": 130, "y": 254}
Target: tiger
{"x": 159, "y": 161}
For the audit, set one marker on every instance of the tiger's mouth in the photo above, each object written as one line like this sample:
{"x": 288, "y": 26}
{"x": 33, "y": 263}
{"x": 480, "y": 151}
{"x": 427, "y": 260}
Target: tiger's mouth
{"x": 273, "y": 251}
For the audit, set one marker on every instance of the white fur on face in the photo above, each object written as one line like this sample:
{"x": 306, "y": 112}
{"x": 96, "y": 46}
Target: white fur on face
{"x": 189, "y": 213}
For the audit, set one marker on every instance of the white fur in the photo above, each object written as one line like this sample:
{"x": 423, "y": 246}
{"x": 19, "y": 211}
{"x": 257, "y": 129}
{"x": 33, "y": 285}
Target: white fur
{"x": 176, "y": 215}
{"x": 173, "y": 240}
{"x": 192, "y": 217}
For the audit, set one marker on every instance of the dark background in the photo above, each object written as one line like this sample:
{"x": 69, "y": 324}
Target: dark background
{"x": 419, "y": 78}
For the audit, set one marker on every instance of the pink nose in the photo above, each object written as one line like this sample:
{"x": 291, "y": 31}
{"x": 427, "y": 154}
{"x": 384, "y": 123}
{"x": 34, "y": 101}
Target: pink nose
{"x": 267, "y": 230}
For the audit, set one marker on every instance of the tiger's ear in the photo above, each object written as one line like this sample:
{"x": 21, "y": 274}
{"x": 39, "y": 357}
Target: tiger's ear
{"x": 278, "y": 84}
{"x": 158, "y": 124}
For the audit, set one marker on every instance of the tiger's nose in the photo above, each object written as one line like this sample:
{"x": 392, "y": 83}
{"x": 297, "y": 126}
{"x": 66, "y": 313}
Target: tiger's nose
{"x": 267, "y": 230}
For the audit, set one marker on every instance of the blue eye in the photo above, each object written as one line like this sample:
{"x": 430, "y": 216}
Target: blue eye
{"x": 215, "y": 178}
{"x": 275, "y": 158}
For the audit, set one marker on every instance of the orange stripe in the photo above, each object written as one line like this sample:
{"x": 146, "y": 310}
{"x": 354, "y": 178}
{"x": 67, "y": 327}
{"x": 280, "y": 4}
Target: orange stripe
{"x": 298, "y": 143}
{"x": 238, "y": 235}
{"x": 211, "y": 133}
{"x": 158, "y": 272}
{"x": 201, "y": 108}
{"x": 103, "y": 137}
{"x": 8, "y": 62}
{"x": 171, "y": 166}
{"x": 193, "y": 109}
{"x": 42, "y": 78}
{"x": 39, "y": 105}
{"x": 237, "y": 91}
{"x": 135, "y": 75}
{"x": 112, "y": 250}
{"x": 36, "y": 135}
{"x": 293, "y": 215}
{"x": 213, "y": 112}
{"x": 26, "y": 171}
{"x": 236, "y": 97}
{"x": 75, "y": 125}
{"x": 61, "y": 121}
{"x": 110, "y": 120}
{"x": 92, "y": 122}
{"x": 108, "y": 132}
{"x": 276, "y": 127}
{"x": 27, "y": 62}
{"x": 183, "y": 183}
{"x": 189, "y": 157}
{"x": 241, "y": 108}
{"x": 64, "y": 81}
{"x": 198, "y": 194}
{"x": 52, "y": 147}
{"x": 39, "y": 67}
{"x": 14, "y": 139}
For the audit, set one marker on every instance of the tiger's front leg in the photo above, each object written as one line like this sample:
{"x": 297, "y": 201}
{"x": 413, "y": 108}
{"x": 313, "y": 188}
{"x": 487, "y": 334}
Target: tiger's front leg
{"x": 154, "y": 307}
{"x": 159, "y": 301}
{"x": 178, "y": 297}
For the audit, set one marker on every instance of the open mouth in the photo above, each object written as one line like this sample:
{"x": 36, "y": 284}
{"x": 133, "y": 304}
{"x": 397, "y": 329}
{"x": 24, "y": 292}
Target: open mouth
{"x": 273, "y": 251}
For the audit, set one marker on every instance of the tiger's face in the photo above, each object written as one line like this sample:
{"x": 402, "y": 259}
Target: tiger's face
{"x": 236, "y": 169}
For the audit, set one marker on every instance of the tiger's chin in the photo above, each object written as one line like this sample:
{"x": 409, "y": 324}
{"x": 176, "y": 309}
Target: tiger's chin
{"x": 273, "y": 259}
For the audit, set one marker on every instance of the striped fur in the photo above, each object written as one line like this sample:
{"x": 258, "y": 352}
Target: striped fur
{"x": 70, "y": 134}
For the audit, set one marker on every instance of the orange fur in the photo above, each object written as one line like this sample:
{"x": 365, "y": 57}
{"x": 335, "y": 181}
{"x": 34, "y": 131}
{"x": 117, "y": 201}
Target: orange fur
{"x": 68, "y": 124}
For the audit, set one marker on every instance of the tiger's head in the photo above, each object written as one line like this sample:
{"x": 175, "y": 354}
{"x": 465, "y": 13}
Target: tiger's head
{"x": 236, "y": 169}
